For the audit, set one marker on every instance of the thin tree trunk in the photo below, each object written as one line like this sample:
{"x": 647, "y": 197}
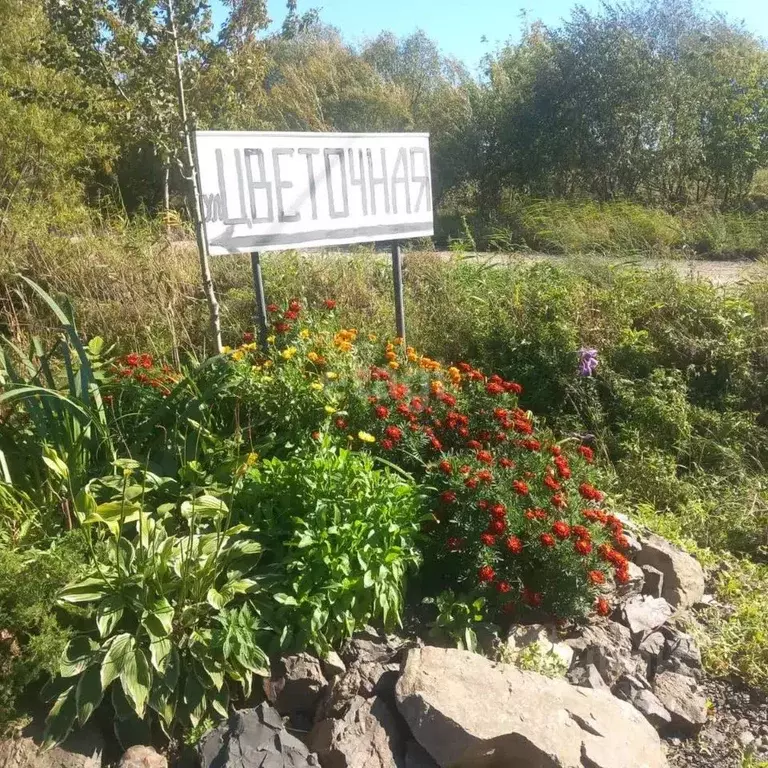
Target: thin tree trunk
{"x": 167, "y": 194}
{"x": 194, "y": 189}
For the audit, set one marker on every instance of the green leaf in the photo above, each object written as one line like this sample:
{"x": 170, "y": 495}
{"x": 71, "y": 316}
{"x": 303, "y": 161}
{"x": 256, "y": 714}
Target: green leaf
{"x": 194, "y": 698}
{"x": 158, "y": 619}
{"x": 120, "y": 650}
{"x": 123, "y": 708}
{"x": 60, "y": 719}
{"x": 170, "y": 675}
{"x": 136, "y": 680}
{"x": 220, "y": 702}
{"x": 108, "y": 614}
{"x": 89, "y": 693}
{"x": 204, "y": 506}
{"x": 77, "y": 655}
{"x": 159, "y": 652}
{"x": 284, "y": 599}
{"x": 84, "y": 591}
{"x": 216, "y": 599}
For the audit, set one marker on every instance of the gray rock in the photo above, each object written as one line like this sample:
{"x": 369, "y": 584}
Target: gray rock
{"x": 635, "y": 584}
{"x": 333, "y": 665}
{"x": 371, "y": 646}
{"x": 81, "y": 750}
{"x": 648, "y": 703}
{"x": 643, "y": 615}
{"x": 633, "y": 544}
{"x": 683, "y": 648}
{"x": 141, "y": 756}
{"x": 608, "y": 646}
{"x": 418, "y": 757}
{"x": 683, "y": 576}
{"x": 680, "y": 697}
{"x": 654, "y": 581}
{"x": 296, "y": 685}
{"x": 587, "y": 677}
{"x": 366, "y": 737}
{"x": 253, "y": 738}
{"x": 468, "y": 711}
{"x": 745, "y": 739}
{"x": 652, "y": 647}
{"x": 366, "y": 679}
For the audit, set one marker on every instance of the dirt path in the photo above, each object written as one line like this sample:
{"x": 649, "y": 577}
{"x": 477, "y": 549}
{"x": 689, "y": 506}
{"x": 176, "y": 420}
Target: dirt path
{"x": 718, "y": 272}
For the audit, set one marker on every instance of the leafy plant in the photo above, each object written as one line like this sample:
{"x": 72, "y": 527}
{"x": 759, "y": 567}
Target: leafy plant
{"x": 457, "y": 620}
{"x": 173, "y": 629}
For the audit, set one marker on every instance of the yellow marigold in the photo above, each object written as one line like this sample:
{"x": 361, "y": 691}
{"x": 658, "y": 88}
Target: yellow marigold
{"x": 316, "y": 385}
{"x": 268, "y": 363}
{"x": 226, "y": 350}
{"x": 372, "y": 337}
{"x": 313, "y": 357}
{"x": 366, "y": 437}
{"x": 238, "y": 355}
{"x": 391, "y": 356}
{"x": 435, "y": 386}
{"x": 288, "y": 353}
{"x": 332, "y": 375}
{"x": 271, "y": 339}
{"x": 394, "y": 365}
{"x": 304, "y": 333}
{"x": 330, "y": 409}
{"x": 251, "y": 458}
{"x": 397, "y": 341}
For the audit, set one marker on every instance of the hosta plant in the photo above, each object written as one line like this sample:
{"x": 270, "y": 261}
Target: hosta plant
{"x": 171, "y": 632}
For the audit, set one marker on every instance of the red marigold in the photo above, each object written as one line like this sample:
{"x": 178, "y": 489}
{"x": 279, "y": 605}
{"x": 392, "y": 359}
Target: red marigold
{"x": 393, "y": 433}
{"x": 341, "y": 423}
{"x": 488, "y": 539}
{"x": 506, "y": 463}
{"x": 596, "y": 577}
{"x": 561, "y": 529}
{"x": 484, "y": 457}
{"x": 531, "y": 445}
{"x": 497, "y": 526}
{"x": 622, "y": 542}
{"x": 465, "y": 469}
{"x": 555, "y": 450}
{"x": 485, "y": 476}
{"x": 471, "y": 482}
{"x": 281, "y": 327}
{"x": 454, "y": 544}
{"x": 558, "y": 500}
{"x": 448, "y": 497}
{"x": 621, "y": 575}
{"x": 513, "y": 386}
{"x": 474, "y": 445}
{"x": 503, "y": 587}
{"x": 498, "y": 511}
{"x": 403, "y": 410}
{"x": 590, "y": 493}
{"x": 508, "y": 608}
{"x": 290, "y": 314}
{"x": 386, "y": 444}
{"x": 132, "y": 359}
{"x": 492, "y": 388}
{"x": 330, "y": 303}
{"x": 398, "y": 391}
{"x": 587, "y": 453}
{"x": 602, "y": 606}
{"x": 447, "y": 398}
{"x": 514, "y": 545}
{"x": 273, "y": 308}
{"x": 580, "y": 532}
{"x": 520, "y": 487}
{"x": 582, "y": 546}
{"x": 247, "y": 337}
{"x": 445, "y": 467}
{"x": 547, "y": 540}
{"x": 294, "y": 305}
{"x": 436, "y": 444}
{"x": 381, "y": 411}
{"x": 485, "y": 573}
{"x": 531, "y": 598}
{"x": 551, "y": 483}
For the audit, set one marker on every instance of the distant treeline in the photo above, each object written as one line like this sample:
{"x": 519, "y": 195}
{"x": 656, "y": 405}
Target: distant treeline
{"x": 655, "y": 101}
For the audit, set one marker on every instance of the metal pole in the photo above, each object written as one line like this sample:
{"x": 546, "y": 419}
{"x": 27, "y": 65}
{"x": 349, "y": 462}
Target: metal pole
{"x": 261, "y": 302}
{"x": 397, "y": 277}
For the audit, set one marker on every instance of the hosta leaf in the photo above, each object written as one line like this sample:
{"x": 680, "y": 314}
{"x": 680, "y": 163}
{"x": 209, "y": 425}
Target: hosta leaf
{"x": 284, "y": 599}
{"x": 77, "y": 655}
{"x": 123, "y": 708}
{"x": 204, "y": 506}
{"x": 119, "y": 652}
{"x": 136, "y": 680}
{"x": 108, "y": 614}
{"x": 159, "y": 652}
{"x": 84, "y": 591}
{"x": 163, "y": 702}
{"x": 216, "y": 599}
{"x": 85, "y": 504}
{"x": 60, "y": 719}
{"x": 220, "y": 701}
{"x": 89, "y": 693}
{"x": 158, "y": 619}
{"x": 170, "y": 676}
{"x": 194, "y": 698}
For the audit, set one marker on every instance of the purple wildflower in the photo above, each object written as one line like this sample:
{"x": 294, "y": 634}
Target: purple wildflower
{"x": 587, "y": 361}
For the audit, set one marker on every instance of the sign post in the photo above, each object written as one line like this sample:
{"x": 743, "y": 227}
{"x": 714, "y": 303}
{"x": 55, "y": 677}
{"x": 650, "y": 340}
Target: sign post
{"x": 275, "y": 191}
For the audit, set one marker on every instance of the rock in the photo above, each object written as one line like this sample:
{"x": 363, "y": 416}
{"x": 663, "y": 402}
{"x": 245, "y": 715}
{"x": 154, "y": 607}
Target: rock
{"x": 140, "y": 756}
{"x": 587, "y": 677}
{"x": 366, "y": 679}
{"x": 654, "y": 581}
{"x": 418, "y": 757}
{"x": 683, "y": 576}
{"x": 745, "y": 738}
{"x": 653, "y": 710}
{"x": 296, "y": 685}
{"x": 82, "y": 749}
{"x": 522, "y": 635}
{"x": 682, "y": 648}
{"x": 643, "y": 614}
{"x": 653, "y": 646}
{"x": 635, "y": 584}
{"x": 371, "y": 646}
{"x": 366, "y": 737}
{"x": 467, "y": 712}
{"x": 679, "y": 696}
{"x": 253, "y": 738}
{"x": 333, "y": 665}
{"x": 607, "y": 645}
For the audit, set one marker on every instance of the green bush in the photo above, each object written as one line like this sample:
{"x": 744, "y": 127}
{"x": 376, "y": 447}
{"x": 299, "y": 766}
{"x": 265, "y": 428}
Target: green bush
{"x": 339, "y": 538}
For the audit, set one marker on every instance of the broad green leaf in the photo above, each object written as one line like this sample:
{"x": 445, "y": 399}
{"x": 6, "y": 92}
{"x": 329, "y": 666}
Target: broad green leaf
{"x": 158, "y": 618}
{"x": 108, "y": 614}
{"x": 119, "y": 652}
{"x": 220, "y": 701}
{"x": 159, "y": 652}
{"x": 60, "y": 719}
{"x": 284, "y": 599}
{"x": 136, "y": 680}
{"x": 85, "y": 504}
{"x": 194, "y": 698}
{"x": 120, "y": 703}
{"x": 84, "y": 591}
{"x": 170, "y": 675}
{"x": 89, "y": 693}
{"x": 216, "y": 599}
{"x": 77, "y": 655}
{"x": 204, "y": 506}
{"x": 163, "y": 701}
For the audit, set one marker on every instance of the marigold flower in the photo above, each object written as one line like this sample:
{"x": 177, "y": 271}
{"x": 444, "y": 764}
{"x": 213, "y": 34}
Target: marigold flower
{"x": 341, "y": 423}
{"x": 520, "y": 487}
{"x": 448, "y": 497}
{"x": 473, "y": 445}
{"x": 499, "y": 511}
{"x": 547, "y": 540}
{"x": 393, "y": 433}
{"x": 386, "y": 444}
{"x": 381, "y": 411}
{"x": 488, "y": 539}
{"x": 492, "y": 388}
{"x": 596, "y": 577}
{"x": 551, "y": 483}
{"x": 484, "y": 457}
{"x": 288, "y": 353}
{"x": 582, "y": 547}
{"x": 485, "y": 476}
{"x": 621, "y": 575}
{"x": 587, "y": 453}
{"x": 366, "y": 437}
{"x": 454, "y": 544}
{"x": 485, "y": 573}
{"x": 503, "y": 587}
{"x": 514, "y": 545}
{"x": 465, "y": 469}
{"x": 497, "y": 526}
{"x": 561, "y": 529}
{"x": 471, "y": 482}
{"x": 602, "y": 606}
{"x": 294, "y": 305}
{"x": 330, "y": 303}
{"x": 316, "y": 385}
{"x": 272, "y": 308}
{"x": 590, "y": 493}
{"x": 445, "y": 467}
{"x": 558, "y": 500}
{"x": 531, "y": 598}
{"x": 506, "y": 463}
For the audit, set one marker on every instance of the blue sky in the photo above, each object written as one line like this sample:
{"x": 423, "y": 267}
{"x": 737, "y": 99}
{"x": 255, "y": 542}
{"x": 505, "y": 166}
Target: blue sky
{"x": 458, "y": 26}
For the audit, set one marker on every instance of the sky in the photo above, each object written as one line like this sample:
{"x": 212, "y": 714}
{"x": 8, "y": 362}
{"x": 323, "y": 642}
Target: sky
{"x": 459, "y": 26}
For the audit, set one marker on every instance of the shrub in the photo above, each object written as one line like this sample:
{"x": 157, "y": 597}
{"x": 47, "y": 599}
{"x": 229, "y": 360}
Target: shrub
{"x": 339, "y": 538}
